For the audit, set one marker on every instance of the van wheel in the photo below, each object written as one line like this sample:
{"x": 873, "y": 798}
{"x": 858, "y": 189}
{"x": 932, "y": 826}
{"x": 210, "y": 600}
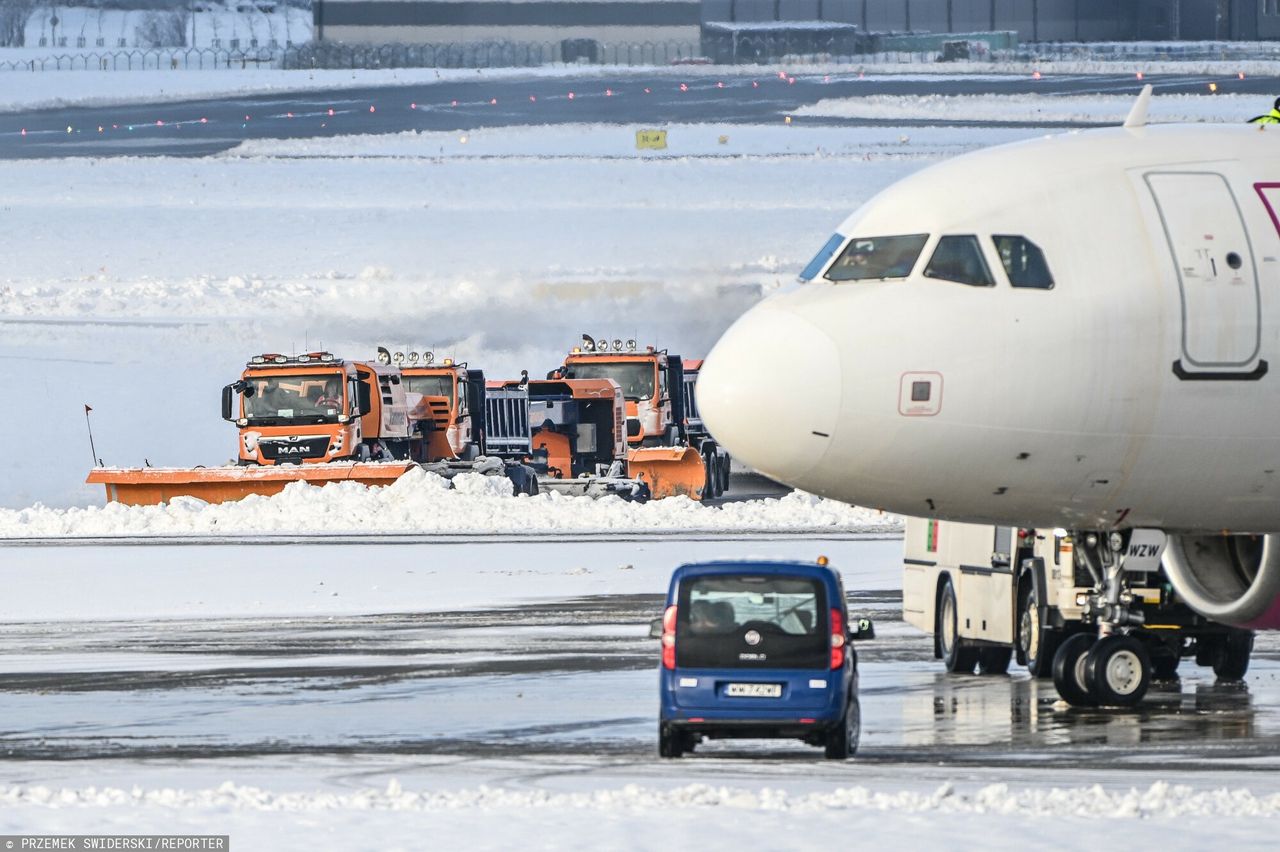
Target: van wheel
{"x": 958, "y": 656}
{"x": 670, "y": 742}
{"x": 842, "y": 739}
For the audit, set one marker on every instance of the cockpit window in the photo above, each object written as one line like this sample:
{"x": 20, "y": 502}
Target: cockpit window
{"x": 820, "y": 259}
{"x": 877, "y": 257}
{"x": 1023, "y": 261}
{"x": 959, "y": 259}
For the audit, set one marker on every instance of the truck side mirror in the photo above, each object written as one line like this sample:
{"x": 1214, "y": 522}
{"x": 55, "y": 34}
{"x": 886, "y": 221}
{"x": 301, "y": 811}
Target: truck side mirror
{"x": 227, "y": 396}
{"x": 862, "y": 629}
{"x": 655, "y": 629}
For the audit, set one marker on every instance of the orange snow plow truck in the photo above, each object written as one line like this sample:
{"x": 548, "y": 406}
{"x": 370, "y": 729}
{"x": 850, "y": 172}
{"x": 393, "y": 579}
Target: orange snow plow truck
{"x": 652, "y": 382}
{"x": 303, "y": 410}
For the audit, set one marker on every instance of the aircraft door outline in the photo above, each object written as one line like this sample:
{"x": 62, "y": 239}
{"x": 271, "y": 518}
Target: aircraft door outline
{"x": 1217, "y": 273}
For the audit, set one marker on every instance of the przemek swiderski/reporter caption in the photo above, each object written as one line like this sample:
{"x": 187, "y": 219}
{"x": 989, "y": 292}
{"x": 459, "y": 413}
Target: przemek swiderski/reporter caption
{"x": 204, "y": 842}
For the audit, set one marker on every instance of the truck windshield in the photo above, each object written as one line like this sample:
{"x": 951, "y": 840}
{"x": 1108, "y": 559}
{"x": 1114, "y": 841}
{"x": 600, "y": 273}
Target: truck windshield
{"x": 634, "y": 377}
{"x": 430, "y": 386}
{"x": 873, "y": 258}
{"x": 309, "y": 398}
{"x": 732, "y": 621}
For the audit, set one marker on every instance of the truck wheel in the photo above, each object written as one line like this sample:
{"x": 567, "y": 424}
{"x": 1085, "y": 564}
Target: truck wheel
{"x": 1036, "y": 643}
{"x": 842, "y": 738}
{"x": 994, "y": 661}
{"x": 710, "y": 488}
{"x": 958, "y": 656}
{"x": 726, "y": 463}
{"x": 1231, "y": 656}
{"x": 1118, "y": 671}
{"x": 1068, "y": 670}
{"x": 670, "y": 743}
{"x": 1164, "y": 662}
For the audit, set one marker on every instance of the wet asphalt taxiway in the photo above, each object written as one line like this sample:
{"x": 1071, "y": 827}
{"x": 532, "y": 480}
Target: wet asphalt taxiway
{"x": 572, "y": 678}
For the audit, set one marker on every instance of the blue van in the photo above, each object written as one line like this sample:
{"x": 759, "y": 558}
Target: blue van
{"x": 758, "y": 649}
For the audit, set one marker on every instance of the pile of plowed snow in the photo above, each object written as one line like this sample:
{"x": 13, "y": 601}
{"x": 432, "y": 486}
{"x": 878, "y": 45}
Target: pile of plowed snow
{"x": 421, "y": 502}
{"x": 1159, "y": 800}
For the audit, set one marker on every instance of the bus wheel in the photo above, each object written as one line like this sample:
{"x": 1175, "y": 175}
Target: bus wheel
{"x": 958, "y": 656}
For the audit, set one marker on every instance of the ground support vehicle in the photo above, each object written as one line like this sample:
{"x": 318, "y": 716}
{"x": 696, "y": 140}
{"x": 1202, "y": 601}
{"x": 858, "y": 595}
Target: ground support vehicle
{"x": 715, "y": 458}
{"x": 989, "y": 594}
{"x": 454, "y": 427}
{"x": 652, "y": 384}
{"x": 293, "y": 413}
{"x": 577, "y": 438}
{"x": 758, "y": 649}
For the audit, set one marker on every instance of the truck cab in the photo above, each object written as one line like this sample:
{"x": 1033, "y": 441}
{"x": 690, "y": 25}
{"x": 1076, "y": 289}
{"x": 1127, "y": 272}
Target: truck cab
{"x": 316, "y": 408}
{"x": 446, "y": 406}
{"x": 648, "y": 377}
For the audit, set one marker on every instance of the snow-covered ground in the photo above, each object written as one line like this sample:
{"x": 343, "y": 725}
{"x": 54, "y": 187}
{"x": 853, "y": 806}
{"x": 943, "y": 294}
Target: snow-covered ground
{"x": 141, "y": 287}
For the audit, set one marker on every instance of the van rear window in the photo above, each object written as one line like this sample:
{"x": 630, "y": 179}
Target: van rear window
{"x": 752, "y": 621}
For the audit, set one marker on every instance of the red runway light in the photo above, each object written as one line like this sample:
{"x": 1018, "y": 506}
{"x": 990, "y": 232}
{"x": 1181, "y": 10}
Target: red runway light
{"x": 791, "y": 81}
{"x": 204, "y": 121}
{"x": 1035, "y": 76}
{"x": 288, "y": 115}
{"x": 454, "y": 103}
{"x": 159, "y": 123}
{"x": 719, "y": 85}
{"x": 608, "y": 93}
{"x": 371, "y": 109}
{"x": 754, "y": 84}
{"x": 684, "y": 87}
{"x": 413, "y": 106}
{"x": 646, "y": 90}
{"x": 331, "y": 111}
{"x": 532, "y": 98}
{"x": 571, "y": 96}
{"x": 493, "y": 101}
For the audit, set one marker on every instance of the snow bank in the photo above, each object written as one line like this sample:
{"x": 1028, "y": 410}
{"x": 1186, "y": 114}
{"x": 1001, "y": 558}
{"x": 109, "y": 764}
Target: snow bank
{"x": 421, "y": 502}
{"x": 1160, "y": 801}
{"x": 1038, "y": 109}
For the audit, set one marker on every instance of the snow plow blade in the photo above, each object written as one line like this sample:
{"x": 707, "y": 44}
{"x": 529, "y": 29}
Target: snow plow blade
{"x": 669, "y": 471}
{"x": 149, "y": 486}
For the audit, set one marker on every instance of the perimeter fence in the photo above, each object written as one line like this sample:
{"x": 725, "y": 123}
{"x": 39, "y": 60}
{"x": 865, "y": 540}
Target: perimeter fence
{"x": 744, "y": 50}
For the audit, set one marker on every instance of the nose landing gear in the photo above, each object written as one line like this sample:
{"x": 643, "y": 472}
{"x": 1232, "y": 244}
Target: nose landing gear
{"x": 1111, "y": 667}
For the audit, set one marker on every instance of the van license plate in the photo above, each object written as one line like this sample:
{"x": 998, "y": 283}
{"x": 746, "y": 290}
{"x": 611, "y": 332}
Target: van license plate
{"x": 754, "y": 690}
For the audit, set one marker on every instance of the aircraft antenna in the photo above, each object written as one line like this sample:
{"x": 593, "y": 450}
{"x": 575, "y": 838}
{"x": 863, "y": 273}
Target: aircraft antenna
{"x": 1138, "y": 114}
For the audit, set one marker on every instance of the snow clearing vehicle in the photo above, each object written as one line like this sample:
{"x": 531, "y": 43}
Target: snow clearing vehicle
{"x": 296, "y": 415}
{"x": 652, "y": 383}
{"x": 577, "y": 430}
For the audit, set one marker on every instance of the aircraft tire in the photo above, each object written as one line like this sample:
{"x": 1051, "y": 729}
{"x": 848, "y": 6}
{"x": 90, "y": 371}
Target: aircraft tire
{"x": 1118, "y": 671}
{"x": 1068, "y": 670}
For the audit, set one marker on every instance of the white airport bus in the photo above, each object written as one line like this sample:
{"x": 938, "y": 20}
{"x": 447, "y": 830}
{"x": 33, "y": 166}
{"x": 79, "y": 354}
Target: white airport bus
{"x": 989, "y": 594}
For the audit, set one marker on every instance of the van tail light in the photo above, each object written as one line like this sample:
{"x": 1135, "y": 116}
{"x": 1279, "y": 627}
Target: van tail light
{"x": 669, "y": 638}
{"x": 837, "y": 639}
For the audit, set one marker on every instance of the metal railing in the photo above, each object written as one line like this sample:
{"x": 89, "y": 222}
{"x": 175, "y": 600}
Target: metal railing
{"x": 156, "y": 59}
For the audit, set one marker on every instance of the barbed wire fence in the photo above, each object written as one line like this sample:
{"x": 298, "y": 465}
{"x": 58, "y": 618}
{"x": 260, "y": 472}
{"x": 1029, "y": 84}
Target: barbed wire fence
{"x": 571, "y": 52}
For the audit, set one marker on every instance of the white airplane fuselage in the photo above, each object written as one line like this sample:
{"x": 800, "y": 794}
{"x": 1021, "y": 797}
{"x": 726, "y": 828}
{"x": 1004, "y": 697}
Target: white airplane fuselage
{"x": 1139, "y": 391}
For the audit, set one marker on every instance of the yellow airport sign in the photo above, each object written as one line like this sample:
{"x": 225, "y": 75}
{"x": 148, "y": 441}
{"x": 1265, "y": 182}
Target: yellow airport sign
{"x": 655, "y": 139}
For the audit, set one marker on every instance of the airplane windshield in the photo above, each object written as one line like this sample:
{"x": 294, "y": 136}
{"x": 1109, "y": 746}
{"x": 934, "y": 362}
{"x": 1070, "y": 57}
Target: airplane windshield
{"x": 877, "y": 257}
{"x": 820, "y": 259}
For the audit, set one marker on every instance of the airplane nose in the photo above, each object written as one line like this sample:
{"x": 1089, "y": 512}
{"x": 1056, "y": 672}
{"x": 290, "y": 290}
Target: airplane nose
{"x": 769, "y": 391}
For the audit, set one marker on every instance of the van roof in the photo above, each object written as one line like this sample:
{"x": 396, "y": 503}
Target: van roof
{"x": 755, "y": 566}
